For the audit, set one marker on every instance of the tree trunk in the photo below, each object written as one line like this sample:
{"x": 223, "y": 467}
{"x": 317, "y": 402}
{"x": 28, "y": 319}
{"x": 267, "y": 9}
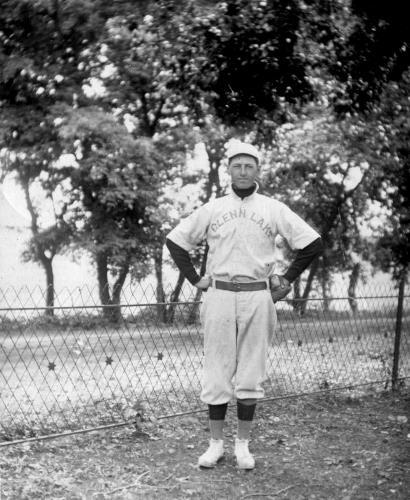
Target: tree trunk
{"x": 116, "y": 292}
{"x": 326, "y": 298}
{"x": 213, "y": 174}
{"x": 215, "y": 152}
{"x": 312, "y": 272}
{"x": 160, "y": 293}
{"x": 351, "y": 291}
{"x": 174, "y": 299}
{"x": 296, "y": 302}
{"x": 103, "y": 285}
{"x": 110, "y": 301}
{"x": 47, "y": 262}
{"x": 340, "y": 200}
{"x": 48, "y": 266}
{"x": 324, "y": 282}
{"x": 215, "y": 149}
{"x": 57, "y": 16}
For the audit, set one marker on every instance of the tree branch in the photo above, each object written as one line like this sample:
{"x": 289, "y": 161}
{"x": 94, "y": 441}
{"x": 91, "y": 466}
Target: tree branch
{"x": 147, "y": 125}
{"x": 157, "y": 116}
{"x": 30, "y": 206}
{"x": 57, "y": 17}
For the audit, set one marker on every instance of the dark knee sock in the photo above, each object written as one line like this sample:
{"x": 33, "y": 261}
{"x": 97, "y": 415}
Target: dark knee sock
{"x": 245, "y": 411}
{"x": 217, "y": 412}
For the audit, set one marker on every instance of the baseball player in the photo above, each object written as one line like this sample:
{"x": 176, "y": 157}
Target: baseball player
{"x": 238, "y": 313}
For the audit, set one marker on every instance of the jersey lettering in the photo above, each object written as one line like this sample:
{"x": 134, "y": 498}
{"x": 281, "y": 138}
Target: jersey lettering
{"x": 241, "y": 213}
{"x": 226, "y": 217}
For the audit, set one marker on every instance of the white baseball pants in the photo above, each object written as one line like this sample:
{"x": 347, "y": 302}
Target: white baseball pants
{"x": 238, "y": 329}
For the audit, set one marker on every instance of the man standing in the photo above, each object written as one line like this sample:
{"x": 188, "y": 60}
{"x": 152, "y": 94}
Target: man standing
{"x": 238, "y": 313}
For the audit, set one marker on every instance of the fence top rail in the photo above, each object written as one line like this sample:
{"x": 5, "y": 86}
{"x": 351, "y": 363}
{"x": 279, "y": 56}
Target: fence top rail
{"x": 95, "y": 306}
{"x": 149, "y": 304}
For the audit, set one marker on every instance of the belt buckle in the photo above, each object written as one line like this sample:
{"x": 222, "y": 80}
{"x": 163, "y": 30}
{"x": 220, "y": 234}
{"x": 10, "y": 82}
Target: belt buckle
{"x": 236, "y": 285}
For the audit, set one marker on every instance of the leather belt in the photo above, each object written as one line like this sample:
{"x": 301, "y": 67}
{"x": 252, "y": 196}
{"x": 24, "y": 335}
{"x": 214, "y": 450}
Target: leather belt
{"x": 235, "y": 286}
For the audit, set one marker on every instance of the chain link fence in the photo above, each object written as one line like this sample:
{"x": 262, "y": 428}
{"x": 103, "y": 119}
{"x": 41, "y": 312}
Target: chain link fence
{"x": 72, "y": 368}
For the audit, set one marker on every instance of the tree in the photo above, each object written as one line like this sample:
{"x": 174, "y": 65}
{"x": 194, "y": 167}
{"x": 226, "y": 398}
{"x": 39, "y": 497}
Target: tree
{"x": 41, "y": 47}
{"x": 214, "y": 136}
{"x": 374, "y": 52}
{"x": 139, "y": 69}
{"x": 367, "y": 66}
{"x": 113, "y": 186}
{"x": 235, "y": 86}
{"x": 244, "y": 64}
{"x": 207, "y": 61}
{"x": 53, "y": 53}
{"x": 325, "y": 183}
{"x": 372, "y": 68}
{"x": 29, "y": 148}
{"x": 389, "y": 126}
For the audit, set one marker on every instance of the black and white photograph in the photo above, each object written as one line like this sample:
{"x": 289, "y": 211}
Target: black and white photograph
{"x": 204, "y": 250}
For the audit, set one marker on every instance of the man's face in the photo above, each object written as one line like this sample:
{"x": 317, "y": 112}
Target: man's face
{"x": 243, "y": 170}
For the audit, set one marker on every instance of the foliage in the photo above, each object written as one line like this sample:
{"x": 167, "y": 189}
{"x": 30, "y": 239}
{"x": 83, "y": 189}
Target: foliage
{"x": 374, "y": 52}
{"x": 390, "y": 126}
{"x": 30, "y": 145}
{"x": 42, "y": 45}
{"x": 140, "y": 67}
{"x": 244, "y": 63}
{"x": 50, "y": 241}
{"x": 127, "y": 89}
{"x": 325, "y": 183}
{"x": 115, "y": 180}
{"x": 112, "y": 185}
{"x": 359, "y": 60}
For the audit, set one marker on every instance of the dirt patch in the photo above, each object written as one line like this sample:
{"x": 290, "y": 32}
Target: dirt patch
{"x": 337, "y": 446}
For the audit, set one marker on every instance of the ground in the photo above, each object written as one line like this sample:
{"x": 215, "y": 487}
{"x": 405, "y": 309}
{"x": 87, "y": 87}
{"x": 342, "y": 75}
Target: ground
{"x": 335, "y": 446}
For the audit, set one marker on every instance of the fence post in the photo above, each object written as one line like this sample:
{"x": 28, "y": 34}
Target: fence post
{"x": 397, "y": 335}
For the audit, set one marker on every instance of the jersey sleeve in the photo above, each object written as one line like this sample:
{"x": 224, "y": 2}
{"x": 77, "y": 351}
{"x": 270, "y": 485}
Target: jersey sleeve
{"x": 293, "y": 228}
{"x": 192, "y": 229}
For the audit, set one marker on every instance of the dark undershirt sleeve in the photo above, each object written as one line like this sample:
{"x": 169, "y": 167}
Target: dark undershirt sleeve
{"x": 303, "y": 259}
{"x": 183, "y": 261}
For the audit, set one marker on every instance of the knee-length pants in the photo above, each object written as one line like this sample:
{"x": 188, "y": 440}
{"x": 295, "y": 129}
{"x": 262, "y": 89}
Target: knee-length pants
{"x": 238, "y": 329}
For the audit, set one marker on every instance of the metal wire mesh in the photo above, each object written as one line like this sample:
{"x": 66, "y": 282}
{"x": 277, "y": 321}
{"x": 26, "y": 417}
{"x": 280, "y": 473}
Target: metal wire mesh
{"x": 75, "y": 369}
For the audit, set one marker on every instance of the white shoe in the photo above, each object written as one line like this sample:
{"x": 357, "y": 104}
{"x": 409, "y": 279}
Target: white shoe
{"x": 213, "y": 454}
{"x": 244, "y": 459}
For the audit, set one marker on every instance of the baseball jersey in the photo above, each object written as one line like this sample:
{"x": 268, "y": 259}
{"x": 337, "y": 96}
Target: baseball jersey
{"x": 241, "y": 234}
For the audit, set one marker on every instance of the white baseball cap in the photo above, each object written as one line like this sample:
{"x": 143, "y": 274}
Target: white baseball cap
{"x": 242, "y": 148}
